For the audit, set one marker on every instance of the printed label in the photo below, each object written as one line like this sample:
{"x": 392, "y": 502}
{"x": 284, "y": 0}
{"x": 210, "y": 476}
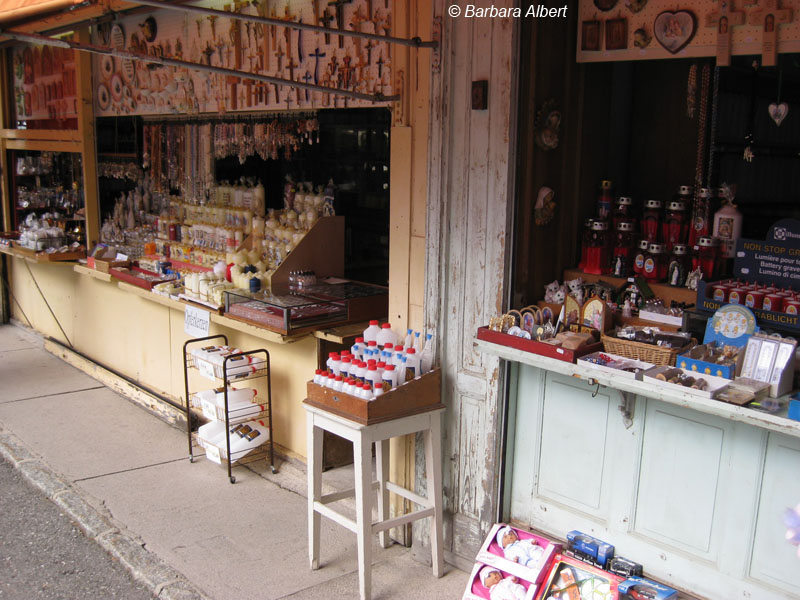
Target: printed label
{"x": 719, "y": 295}
{"x": 639, "y": 261}
{"x": 206, "y": 369}
{"x": 791, "y": 309}
{"x": 649, "y": 265}
{"x": 387, "y": 385}
{"x": 733, "y": 298}
{"x": 410, "y": 373}
{"x": 209, "y": 410}
{"x": 749, "y": 301}
{"x": 767, "y": 305}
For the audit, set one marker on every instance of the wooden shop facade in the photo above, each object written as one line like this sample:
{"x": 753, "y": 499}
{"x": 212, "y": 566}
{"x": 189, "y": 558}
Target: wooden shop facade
{"x": 466, "y": 173}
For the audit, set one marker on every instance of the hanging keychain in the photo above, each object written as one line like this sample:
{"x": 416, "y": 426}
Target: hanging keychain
{"x": 778, "y": 110}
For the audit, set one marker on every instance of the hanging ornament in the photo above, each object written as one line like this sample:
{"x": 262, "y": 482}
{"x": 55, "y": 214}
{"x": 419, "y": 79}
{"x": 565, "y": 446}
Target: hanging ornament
{"x": 778, "y": 110}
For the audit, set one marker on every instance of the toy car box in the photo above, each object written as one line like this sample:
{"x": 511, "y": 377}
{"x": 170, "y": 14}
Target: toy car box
{"x": 589, "y": 549}
{"x": 636, "y": 588}
{"x": 477, "y": 591}
{"x": 492, "y": 554}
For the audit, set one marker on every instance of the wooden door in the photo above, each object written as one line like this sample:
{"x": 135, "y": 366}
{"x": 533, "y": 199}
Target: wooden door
{"x": 468, "y": 223}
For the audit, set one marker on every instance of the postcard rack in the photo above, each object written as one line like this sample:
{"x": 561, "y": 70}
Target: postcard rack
{"x": 226, "y": 417}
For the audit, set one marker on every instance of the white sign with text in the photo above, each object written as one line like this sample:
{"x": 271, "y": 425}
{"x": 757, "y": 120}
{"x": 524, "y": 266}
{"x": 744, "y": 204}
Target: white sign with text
{"x": 196, "y": 321}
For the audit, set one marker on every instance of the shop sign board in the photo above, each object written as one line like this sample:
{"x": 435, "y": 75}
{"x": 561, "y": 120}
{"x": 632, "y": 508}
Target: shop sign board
{"x": 196, "y": 322}
{"x": 775, "y": 260}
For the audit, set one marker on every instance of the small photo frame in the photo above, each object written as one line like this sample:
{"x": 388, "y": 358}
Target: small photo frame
{"x": 528, "y": 321}
{"x": 572, "y": 312}
{"x": 616, "y": 34}
{"x": 547, "y": 315}
{"x": 590, "y": 35}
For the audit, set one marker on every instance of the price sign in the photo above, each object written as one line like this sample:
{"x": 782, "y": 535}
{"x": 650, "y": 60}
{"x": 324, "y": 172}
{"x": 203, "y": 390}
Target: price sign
{"x": 212, "y": 453}
{"x": 196, "y": 321}
{"x": 206, "y": 369}
{"x": 209, "y": 410}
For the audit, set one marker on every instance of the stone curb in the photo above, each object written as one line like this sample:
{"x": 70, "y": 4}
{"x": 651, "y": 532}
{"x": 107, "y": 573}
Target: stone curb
{"x": 162, "y": 580}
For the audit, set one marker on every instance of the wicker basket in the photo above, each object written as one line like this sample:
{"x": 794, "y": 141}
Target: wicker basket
{"x": 657, "y": 355}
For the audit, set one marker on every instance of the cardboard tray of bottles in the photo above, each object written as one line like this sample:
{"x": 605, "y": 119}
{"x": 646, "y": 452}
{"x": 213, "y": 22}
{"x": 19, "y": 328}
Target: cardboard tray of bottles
{"x": 418, "y": 395}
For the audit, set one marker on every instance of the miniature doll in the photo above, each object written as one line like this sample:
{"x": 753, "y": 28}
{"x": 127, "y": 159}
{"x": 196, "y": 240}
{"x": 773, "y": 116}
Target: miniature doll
{"x": 524, "y": 552}
{"x": 500, "y": 588}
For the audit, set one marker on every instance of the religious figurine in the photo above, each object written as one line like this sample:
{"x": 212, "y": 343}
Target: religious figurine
{"x": 545, "y": 206}
{"x": 693, "y": 278}
{"x": 548, "y": 121}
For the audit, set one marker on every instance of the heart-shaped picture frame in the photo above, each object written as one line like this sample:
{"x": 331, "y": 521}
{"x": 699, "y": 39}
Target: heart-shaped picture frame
{"x": 778, "y": 112}
{"x": 674, "y": 30}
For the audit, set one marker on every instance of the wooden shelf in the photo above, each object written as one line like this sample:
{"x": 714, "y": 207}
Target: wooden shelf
{"x": 666, "y": 292}
{"x": 92, "y": 273}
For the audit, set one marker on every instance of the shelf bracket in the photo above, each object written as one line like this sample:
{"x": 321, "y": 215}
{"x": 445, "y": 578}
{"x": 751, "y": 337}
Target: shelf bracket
{"x": 626, "y": 408}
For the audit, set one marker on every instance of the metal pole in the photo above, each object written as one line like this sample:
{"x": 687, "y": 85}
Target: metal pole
{"x": 414, "y": 42}
{"x": 173, "y": 62}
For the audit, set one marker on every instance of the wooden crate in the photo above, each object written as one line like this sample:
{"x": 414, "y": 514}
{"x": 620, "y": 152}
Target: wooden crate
{"x": 416, "y": 396}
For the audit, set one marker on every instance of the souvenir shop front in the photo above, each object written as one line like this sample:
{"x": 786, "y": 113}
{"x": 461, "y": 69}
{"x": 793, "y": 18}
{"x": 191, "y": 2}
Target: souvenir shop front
{"x": 145, "y": 143}
{"x": 650, "y": 331}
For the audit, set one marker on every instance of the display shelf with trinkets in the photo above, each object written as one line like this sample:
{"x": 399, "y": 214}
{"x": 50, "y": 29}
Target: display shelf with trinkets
{"x": 237, "y": 431}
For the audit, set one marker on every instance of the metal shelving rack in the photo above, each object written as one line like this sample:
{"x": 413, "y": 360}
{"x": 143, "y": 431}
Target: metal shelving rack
{"x": 231, "y": 419}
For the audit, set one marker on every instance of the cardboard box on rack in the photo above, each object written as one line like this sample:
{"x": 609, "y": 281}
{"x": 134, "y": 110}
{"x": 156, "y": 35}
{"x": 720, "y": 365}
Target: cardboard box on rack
{"x": 732, "y": 325}
{"x": 477, "y": 591}
{"x": 492, "y": 554}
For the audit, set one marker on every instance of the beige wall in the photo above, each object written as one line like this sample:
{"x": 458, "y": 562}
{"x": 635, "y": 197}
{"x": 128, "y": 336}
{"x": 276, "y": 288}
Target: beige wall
{"x": 143, "y": 339}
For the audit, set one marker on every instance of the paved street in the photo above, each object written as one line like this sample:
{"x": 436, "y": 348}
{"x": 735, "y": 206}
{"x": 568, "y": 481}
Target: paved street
{"x": 45, "y": 556}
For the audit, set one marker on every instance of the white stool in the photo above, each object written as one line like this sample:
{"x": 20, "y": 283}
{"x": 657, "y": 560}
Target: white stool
{"x": 363, "y": 436}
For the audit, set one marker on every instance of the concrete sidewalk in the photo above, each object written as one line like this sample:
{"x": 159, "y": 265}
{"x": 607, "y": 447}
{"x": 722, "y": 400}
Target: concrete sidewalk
{"x": 179, "y": 527}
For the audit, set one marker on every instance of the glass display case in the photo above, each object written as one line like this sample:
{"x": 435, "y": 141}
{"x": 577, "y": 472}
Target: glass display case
{"x": 322, "y": 304}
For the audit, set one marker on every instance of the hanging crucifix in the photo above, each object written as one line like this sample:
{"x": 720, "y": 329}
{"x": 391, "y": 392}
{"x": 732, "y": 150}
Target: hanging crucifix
{"x": 358, "y": 19}
{"x": 770, "y": 16}
{"x": 327, "y": 19}
{"x": 723, "y": 19}
{"x": 339, "y": 6}
{"x": 317, "y": 55}
{"x": 306, "y": 78}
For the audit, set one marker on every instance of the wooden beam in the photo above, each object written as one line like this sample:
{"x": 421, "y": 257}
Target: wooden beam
{"x": 43, "y": 146}
{"x": 5, "y": 116}
{"x": 86, "y": 133}
{"x": 69, "y": 135}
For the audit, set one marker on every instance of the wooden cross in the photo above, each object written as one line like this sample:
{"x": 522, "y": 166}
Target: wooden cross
{"x": 287, "y": 33}
{"x": 360, "y": 66}
{"x": 262, "y": 11}
{"x": 770, "y": 16}
{"x": 208, "y": 52}
{"x": 280, "y": 54}
{"x": 291, "y": 65}
{"x": 339, "y": 6}
{"x": 380, "y": 64}
{"x": 333, "y": 64}
{"x": 327, "y": 19}
{"x": 315, "y": 9}
{"x": 326, "y": 97}
{"x": 317, "y": 55}
{"x": 300, "y": 41}
{"x": 275, "y": 89}
{"x": 307, "y": 77}
{"x": 723, "y": 19}
{"x": 213, "y": 20}
{"x": 347, "y": 71}
{"x": 358, "y": 19}
{"x": 369, "y": 46}
{"x": 248, "y": 84}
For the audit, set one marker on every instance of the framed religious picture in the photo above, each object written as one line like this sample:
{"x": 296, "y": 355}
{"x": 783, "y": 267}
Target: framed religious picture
{"x": 590, "y": 35}
{"x": 572, "y": 312}
{"x": 616, "y": 34}
{"x": 528, "y": 320}
{"x": 595, "y": 314}
{"x": 547, "y": 315}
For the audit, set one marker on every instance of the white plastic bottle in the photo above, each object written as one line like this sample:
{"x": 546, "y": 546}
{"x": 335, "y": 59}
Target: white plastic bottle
{"x": 361, "y": 371}
{"x": 409, "y": 338}
{"x": 426, "y": 356}
{"x": 399, "y": 353}
{"x": 372, "y": 348}
{"x": 318, "y": 376}
{"x": 357, "y": 347}
{"x": 386, "y": 335}
{"x": 371, "y": 332}
{"x": 417, "y": 342}
{"x": 347, "y": 386}
{"x": 377, "y": 391}
{"x": 366, "y": 392}
{"x": 357, "y": 388}
{"x": 330, "y": 380}
{"x": 329, "y": 362}
{"x": 401, "y": 371}
{"x": 337, "y": 383}
{"x": 372, "y": 375}
{"x": 386, "y": 353}
{"x": 389, "y": 378}
{"x": 412, "y": 364}
{"x": 346, "y": 365}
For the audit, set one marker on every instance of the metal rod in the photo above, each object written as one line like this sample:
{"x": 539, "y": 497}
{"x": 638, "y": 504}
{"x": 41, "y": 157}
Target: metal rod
{"x": 414, "y": 42}
{"x": 173, "y": 62}
{"x": 41, "y": 293}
